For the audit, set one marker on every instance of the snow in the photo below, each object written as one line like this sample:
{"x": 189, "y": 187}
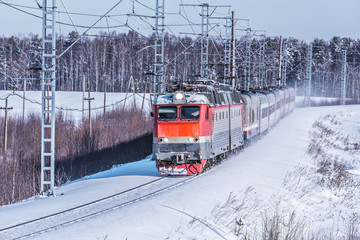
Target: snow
{"x": 274, "y": 172}
{"x": 71, "y": 102}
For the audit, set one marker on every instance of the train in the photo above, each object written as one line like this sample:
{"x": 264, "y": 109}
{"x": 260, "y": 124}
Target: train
{"x": 198, "y": 123}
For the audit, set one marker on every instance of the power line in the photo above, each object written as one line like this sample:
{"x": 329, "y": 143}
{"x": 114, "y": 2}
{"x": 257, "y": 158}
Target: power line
{"x": 58, "y": 22}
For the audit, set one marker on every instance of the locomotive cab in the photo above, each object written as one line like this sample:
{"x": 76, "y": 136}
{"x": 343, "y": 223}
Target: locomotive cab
{"x": 180, "y": 136}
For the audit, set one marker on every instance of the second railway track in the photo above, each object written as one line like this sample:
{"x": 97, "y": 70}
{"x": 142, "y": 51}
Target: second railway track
{"x": 40, "y": 225}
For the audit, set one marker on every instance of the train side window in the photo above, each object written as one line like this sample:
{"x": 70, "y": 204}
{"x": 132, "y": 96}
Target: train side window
{"x": 216, "y": 116}
{"x": 223, "y": 115}
{"x": 227, "y": 114}
{"x": 207, "y": 113}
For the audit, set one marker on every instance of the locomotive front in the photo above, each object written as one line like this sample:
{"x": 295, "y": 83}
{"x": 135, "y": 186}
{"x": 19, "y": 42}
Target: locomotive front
{"x": 181, "y": 133}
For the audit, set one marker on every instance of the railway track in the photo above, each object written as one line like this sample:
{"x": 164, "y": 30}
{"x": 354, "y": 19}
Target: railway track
{"x": 50, "y": 222}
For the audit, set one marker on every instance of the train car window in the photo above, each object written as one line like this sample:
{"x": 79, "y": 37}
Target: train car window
{"x": 227, "y": 114}
{"x": 233, "y": 99}
{"x": 223, "y": 115}
{"x": 217, "y": 97}
{"x": 265, "y": 112}
{"x": 167, "y": 113}
{"x": 190, "y": 112}
{"x": 211, "y": 98}
{"x": 216, "y": 116}
{"x": 207, "y": 113}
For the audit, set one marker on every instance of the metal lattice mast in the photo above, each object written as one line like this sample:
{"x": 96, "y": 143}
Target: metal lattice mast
{"x": 262, "y": 61}
{"x": 227, "y": 49}
{"x": 48, "y": 98}
{"x": 343, "y": 78}
{"x": 204, "y": 68}
{"x": 159, "y": 47}
{"x": 233, "y": 48}
{"x": 248, "y": 60}
{"x": 284, "y": 63}
{"x": 308, "y": 76}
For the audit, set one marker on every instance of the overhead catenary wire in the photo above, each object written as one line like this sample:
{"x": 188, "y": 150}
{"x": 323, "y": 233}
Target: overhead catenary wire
{"x": 70, "y": 109}
{"x": 84, "y": 33}
{"x": 62, "y": 2}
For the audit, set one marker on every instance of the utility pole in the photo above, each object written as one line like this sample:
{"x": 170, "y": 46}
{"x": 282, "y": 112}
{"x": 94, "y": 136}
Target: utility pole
{"x": 343, "y": 78}
{"x": 89, "y": 99}
{"x": 284, "y": 63}
{"x": 83, "y": 98}
{"x": 134, "y": 91}
{"x": 142, "y": 104}
{"x": 48, "y": 98}
{"x": 104, "y": 95}
{"x": 24, "y": 91}
{"x": 128, "y": 88}
{"x": 308, "y": 76}
{"x": 6, "y": 108}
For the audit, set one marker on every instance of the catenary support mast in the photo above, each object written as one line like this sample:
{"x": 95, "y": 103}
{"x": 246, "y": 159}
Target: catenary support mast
{"x": 227, "y": 49}
{"x": 204, "y": 67}
{"x": 284, "y": 62}
{"x": 248, "y": 60}
{"x": 308, "y": 76}
{"x": 48, "y": 98}
{"x": 262, "y": 61}
{"x": 343, "y": 78}
{"x": 159, "y": 47}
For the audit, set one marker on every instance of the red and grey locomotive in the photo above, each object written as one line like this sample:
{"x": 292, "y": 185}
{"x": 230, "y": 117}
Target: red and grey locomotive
{"x": 197, "y": 123}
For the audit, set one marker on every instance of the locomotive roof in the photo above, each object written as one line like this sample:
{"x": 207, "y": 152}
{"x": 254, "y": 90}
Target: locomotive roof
{"x": 190, "y": 98}
{"x": 200, "y": 91}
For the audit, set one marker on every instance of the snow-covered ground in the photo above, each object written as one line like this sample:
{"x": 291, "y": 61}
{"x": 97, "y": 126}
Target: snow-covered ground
{"x": 273, "y": 176}
{"x": 70, "y": 103}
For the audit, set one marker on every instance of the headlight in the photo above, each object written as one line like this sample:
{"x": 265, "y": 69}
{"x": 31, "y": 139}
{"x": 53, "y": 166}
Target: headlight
{"x": 163, "y": 140}
{"x": 179, "y": 96}
{"x": 193, "y": 139}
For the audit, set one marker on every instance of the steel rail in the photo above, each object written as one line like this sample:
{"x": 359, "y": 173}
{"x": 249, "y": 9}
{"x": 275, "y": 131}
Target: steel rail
{"x": 108, "y": 209}
{"x": 82, "y": 205}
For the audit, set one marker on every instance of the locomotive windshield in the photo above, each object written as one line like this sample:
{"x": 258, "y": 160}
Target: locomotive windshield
{"x": 190, "y": 112}
{"x": 167, "y": 113}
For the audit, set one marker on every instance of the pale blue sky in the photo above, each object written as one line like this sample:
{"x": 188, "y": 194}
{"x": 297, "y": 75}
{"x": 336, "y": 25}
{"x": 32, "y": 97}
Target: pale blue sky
{"x": 302, "y": 19}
